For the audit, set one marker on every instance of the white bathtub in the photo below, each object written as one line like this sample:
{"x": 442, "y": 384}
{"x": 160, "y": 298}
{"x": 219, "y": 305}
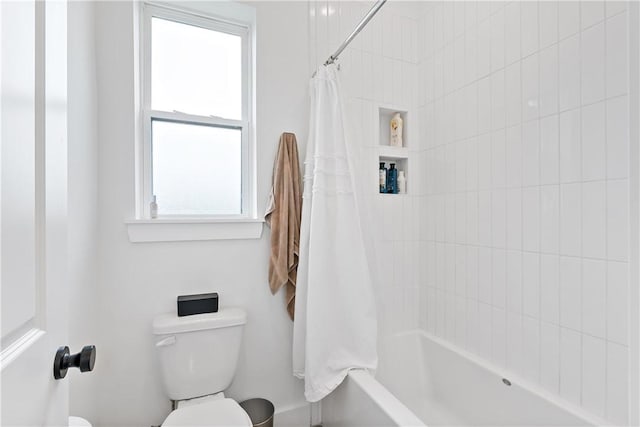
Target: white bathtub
{"x": 424, "y": 381}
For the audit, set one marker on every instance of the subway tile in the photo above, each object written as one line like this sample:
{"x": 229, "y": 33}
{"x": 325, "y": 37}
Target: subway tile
{"x": 548, "y": 103}
{"x": 499, "y": 278}
{"x": 484, "y": 218}
{"x": 472, "y": 272}
{"x": 484, "y": 105}
{"x": 617, "y": 220}
{"x": 531, "y": 219}
{"x": 460, "y": 321}
{"x": 470, "y": 14}
{"x": 617, "y": 138}
{"x": 570, "y": 146}
{"x": 498, "y": 159}
{"x": 514, "y": 342}
{"x": 529, "y": 27}
{"x": 550, "y": 219}
{"x": 530, "y": 153}
{"x": 471, "y": 53}
{"x": 448, "y": 22}
{"x": 571, "y": 219}
{"x": 498, "y": 218}
{"x": 531, "y": 284}
{"x": 530, "y": 87}
{"x": 617, "y": 302}
{"x": 569, "y": 73}
{"x": 497, "y": 40}
{"x": 550, "y": 288}
{"x": 441, "y": 314}
{"x": 484, "y": 47}
{"x": 591, "y": 12}
{"x": 570, "y": 292}
{"x": 594, "y": 375}
{"x": 594, "y": 294}
{"x": 513, "y": 94}
{"x": 549, "y": 150}
{"x": 568, "y": 18}
{"x": 514, "y": 218}
{"x": 485, "y": 330}
{"x": 461, "y": 166}
{"x": 594, "y": 219}
{"x": 484, "y": 275}
{"x": 617, "y": 57}
{"x": 450, "y": 317}
{"x": 613, "y": 7}
{"x": 458, "y": 19}
{"x": 593, "y": 64}
{"x": 531, "y": 349}
{"x": 548, "y": 21}
{"x": 458, "y": 62}
{"x": 617, "y": 384}
{"x": 498, "y": 336}
{"x": 472, "y": 218}
{"x": 570, "y": 365}
{"x": 497, "y": 100}
{"x": 512, "y": 32}
{"x": 514, "y": 156}
{"x": 473, "y": 318}
{"x": 514, "y": 281}
{"x": 550, "y": 357}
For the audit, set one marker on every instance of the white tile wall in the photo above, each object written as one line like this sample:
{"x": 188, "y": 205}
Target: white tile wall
{"x": 526, "y": 190}
{"x": 513, "y": 241}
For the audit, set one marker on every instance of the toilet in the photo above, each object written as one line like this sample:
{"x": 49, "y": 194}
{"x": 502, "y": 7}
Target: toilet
{"x": 198, "y": 357}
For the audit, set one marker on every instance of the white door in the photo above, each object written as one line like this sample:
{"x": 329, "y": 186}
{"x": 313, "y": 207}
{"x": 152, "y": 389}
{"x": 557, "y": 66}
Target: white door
{"x": 33, "y": 203}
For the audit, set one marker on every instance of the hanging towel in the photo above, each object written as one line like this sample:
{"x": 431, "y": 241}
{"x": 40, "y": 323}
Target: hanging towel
{"x": 335, "y": 328}
{"x": 283, "y": 216}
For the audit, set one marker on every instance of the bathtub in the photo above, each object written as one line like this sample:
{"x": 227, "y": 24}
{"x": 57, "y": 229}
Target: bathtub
{"x": 423, "y": 380}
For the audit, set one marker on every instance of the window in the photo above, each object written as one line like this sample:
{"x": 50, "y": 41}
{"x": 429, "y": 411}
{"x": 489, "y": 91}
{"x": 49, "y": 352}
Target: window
{"x": 198, "y": 151}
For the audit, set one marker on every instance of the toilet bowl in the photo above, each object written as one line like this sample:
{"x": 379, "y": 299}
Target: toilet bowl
{"x": 78, "y": 422}
{"x": 198, "y": 358}
{"x": 217, "y": 412}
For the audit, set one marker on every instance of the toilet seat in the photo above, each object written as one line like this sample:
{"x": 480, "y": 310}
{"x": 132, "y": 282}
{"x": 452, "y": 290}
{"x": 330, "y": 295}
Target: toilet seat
{"x": 218, "y": 412}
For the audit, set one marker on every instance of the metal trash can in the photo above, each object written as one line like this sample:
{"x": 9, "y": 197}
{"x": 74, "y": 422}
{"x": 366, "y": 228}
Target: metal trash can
{"x": 260, "y": 411}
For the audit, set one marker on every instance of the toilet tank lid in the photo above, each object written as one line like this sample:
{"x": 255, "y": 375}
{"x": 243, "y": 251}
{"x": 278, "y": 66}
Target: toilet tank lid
{"x": 170, "y": 323}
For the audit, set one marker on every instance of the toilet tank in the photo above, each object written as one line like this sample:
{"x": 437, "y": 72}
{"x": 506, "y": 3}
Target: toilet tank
{"x": 198, "y": 354}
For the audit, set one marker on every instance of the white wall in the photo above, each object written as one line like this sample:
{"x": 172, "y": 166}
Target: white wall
{"x": 83, "y": 202}
{"x": 525, "y": 122}
{"x": 138, "y": 281}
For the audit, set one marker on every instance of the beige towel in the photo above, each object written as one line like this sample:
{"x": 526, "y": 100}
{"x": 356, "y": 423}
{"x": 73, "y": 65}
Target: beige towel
{"x": 283, "y": 216}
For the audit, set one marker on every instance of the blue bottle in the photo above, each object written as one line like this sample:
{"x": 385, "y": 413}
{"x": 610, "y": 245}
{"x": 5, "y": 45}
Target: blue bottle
{"x": 382, "y": 176}
{"x": 392, "y": 179}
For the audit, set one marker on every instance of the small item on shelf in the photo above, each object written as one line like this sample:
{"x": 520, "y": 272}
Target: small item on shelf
{"x": 395, "y": 139}
{"x": 382, "y": 174}
{"x": 402, "y": 183}
{"x": 392, "y": 179}
{"x": 153, "y": 208}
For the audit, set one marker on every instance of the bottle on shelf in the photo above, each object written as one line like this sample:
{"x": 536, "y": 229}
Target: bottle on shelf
{"x": 402, "y": 183}
{"x": 392, "y": 179}
{"x": 153, "y": 208}
{"x": 382, "y": 175}
{"x": 395, "y": 138}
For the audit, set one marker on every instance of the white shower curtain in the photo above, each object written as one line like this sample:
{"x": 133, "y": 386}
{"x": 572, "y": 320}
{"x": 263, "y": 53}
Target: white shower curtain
{"x": 335, "y": 314}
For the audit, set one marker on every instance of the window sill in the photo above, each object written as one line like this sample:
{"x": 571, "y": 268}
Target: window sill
{"x": 184, "y": 230}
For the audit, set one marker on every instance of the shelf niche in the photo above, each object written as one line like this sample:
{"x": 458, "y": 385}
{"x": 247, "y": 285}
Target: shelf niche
{"x": 387, "y": 153}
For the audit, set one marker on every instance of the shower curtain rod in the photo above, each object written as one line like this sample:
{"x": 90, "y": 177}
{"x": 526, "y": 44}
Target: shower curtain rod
{"x": 376, "y": 7}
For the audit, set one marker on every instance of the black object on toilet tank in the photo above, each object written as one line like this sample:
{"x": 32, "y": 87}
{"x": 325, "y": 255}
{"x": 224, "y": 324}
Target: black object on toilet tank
{"x": 197, "y": 304}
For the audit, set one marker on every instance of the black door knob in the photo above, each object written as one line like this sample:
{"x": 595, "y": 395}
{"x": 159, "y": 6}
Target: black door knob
{"x": 85, "y": 360}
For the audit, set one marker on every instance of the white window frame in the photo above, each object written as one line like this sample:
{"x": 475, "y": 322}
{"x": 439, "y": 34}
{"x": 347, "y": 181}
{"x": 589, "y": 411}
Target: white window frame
{"x": 215, "y": 23}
